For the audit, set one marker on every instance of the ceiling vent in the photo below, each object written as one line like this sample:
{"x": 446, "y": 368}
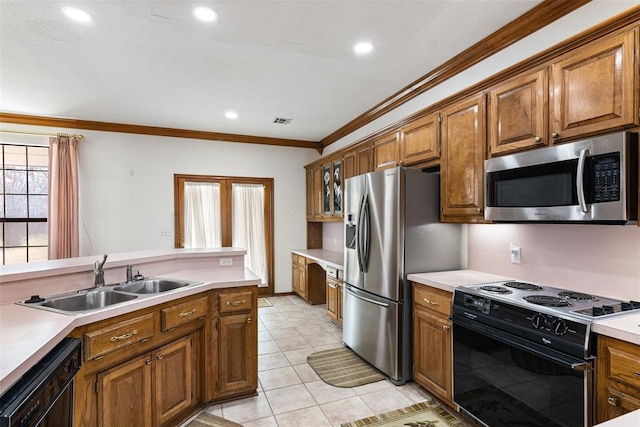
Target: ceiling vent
{"x": 282, "y": 121}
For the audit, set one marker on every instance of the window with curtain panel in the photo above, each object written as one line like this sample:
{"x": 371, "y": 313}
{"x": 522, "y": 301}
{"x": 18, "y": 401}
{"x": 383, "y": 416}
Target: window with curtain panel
{"x": 215, "y": 211}
{"x": 24, "y": 186}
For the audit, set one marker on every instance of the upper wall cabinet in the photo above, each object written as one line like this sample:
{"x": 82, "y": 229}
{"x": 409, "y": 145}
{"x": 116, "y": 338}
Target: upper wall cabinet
{"x": 385, "y": 151}
{"x": 324, "y": 191}
{"x": 358, "y": 160}
{"x": 594, "y": 88}
{"x": 420, "y": 140}
{"x": 463, "y": 154}
{"x": 518, "y": 114}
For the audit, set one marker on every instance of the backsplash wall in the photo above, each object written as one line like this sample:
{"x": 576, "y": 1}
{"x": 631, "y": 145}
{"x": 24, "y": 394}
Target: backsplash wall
{"x": 333, "y": 236}
{"x": 599, "y": 259}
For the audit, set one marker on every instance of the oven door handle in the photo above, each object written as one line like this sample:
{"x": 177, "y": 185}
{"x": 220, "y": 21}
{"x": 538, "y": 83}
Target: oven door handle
{"x": 522, "y": 344}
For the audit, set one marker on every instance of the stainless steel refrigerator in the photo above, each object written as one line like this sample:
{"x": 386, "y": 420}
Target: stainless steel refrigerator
{"x": 392, "y": 228}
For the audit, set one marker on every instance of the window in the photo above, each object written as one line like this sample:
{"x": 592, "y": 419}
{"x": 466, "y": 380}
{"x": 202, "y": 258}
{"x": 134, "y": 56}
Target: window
{"x": 24, "y": 187}
{"x": 228, "y": 211}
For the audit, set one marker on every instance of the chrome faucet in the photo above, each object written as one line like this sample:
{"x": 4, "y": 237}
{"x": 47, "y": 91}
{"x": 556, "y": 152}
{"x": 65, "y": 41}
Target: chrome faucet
{"x": 129, "y": 273}
{"x": 99, "y": 272}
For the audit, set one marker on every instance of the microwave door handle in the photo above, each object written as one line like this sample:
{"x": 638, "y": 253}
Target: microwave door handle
{"x": 580, "y": 180}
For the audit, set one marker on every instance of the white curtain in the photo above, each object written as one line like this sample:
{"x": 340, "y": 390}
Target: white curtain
{"x": 248, "y": 227}
{"x": 202, "y": 226}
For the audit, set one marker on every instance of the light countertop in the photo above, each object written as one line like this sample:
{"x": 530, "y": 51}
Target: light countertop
{"x": 632, "y": 419}
{"x": 323, "y": 257}
{"x": 625, "y": 328}
{"x": 450, "y": 280}
{"x": 28, "y": 334}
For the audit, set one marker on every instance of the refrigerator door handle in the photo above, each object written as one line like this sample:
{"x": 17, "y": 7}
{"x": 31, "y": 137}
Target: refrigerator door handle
{"x": 382, "y": 304}
{"x": 359, "y": 232}
{"x": 367, "y": 233}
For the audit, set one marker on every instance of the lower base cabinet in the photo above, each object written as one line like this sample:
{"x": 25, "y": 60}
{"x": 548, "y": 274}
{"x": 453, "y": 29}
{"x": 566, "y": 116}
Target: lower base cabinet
{"x": 164, "y": 374}
{"x": 617, "y": 378}
{"x": 433, "y": 341}
{"x": 159, "y": 365}
{"x": 335, "y": 288}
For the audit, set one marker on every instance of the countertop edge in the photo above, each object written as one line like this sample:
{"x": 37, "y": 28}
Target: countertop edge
{"x": 323, "y": 257}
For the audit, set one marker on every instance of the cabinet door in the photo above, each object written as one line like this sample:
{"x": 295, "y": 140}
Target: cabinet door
{"x": 124, "y": 394}
{"x": 364, "y": 158}
{"x": 332, "y": 299}
{"x": 594, "y": 88}
{"x": 349, "y": 167}
{"x": 432, "y": 354}
{"x": 420, "y": 140}
{"x": 310, "y": 195}
{"x": 173, "y": 382}
{"x": 336, "y": 189}
{"x": 463, "y": 154}
{"x": 385, "y": 151}
{"x": 317, "y": 193}
{"x": 519, "y": 114}
{"x": 238, "y": 367}
{"x": 340, "y": 304}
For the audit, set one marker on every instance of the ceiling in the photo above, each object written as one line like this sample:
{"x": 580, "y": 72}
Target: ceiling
{"x": 150, "y": 62}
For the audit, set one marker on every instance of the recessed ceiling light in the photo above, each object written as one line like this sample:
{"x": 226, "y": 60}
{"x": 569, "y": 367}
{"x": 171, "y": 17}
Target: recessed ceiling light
{"x": 231, "y": 115}
{"x": 205, "y": 14}
{"x": 363, "y": 48}
{"x": 76, "y": 14}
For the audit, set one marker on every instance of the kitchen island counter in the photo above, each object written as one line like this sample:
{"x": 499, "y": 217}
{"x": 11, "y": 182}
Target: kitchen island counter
{"x": 27, "y": 334}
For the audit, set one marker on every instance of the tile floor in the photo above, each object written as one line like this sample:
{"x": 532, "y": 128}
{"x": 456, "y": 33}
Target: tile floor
{"x": 290, "y": 393}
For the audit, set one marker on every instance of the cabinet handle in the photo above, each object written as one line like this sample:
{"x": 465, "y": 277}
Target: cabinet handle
{"x": 149, "y": 361}
{"x": 445, "y": 328}
{"x": 160, "y": 356}
{"x": 332, "y": 286}
{"x": 248, "y": 319}
{"x": 636, "y": 374}
{"x": 613, "y": 401}
{"x": 555, "y": 135}
{"x": 236, "y": 302}
{"x": 537, "y": 139}
{"x": 431, "y": 302}
{"x": 187, "y": 313}
{"x": 124, "y": 336}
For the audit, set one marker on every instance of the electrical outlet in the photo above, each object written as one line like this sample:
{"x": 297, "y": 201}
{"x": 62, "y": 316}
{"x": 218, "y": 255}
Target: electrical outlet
{"x": 165, "y": 232}
{"x": 516, "y": 255}
{"x": 225, "y": 262}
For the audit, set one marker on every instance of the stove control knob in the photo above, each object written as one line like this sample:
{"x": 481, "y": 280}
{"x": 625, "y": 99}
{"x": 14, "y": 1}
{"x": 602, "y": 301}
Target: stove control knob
{"x": 538, "y": 321}
{"x": 560, "y": 327}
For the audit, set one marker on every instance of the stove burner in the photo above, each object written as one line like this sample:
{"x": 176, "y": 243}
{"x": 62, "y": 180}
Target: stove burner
{"x": 578, "y": 296}
{"x": 497, "y": 289}
{"x": 523, "y": 286}
{"x": 547, "y": 300}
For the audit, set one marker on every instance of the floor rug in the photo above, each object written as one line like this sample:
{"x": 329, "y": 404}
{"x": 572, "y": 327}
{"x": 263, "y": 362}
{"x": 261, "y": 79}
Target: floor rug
{"x": 263, "y": 302}
{"x": 424, "y": 414}
{"x": 205, "y": 419}
{"x": 341, "y": 367}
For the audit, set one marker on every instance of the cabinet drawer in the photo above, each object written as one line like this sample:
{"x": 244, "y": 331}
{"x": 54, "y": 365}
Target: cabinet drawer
{"x": 433, "y": 300}
{"x": 236, "y": 301}
{"x": 110, "y": 338}
{"x": 624, "y": 367}
{"x": 186, "y": 312}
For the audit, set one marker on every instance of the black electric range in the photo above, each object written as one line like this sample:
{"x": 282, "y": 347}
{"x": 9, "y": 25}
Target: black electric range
{"x": 558, "y": 318}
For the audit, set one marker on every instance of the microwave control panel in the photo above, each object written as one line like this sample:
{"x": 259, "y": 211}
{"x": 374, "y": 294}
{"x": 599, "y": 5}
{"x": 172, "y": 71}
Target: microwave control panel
{"x": 606, "y": 178}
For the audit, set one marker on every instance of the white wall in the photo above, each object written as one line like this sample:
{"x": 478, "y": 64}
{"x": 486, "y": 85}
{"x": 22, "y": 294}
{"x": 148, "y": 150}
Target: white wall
{"x": 126, "y": 189}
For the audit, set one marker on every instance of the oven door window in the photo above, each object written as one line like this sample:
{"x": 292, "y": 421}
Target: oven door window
{"x": 551, "y": 184}
{"x": 504, "y": 385}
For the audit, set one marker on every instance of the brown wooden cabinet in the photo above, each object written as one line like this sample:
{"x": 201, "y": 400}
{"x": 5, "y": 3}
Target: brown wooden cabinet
{"x": 463, "y": 154}
{"x": 308, "y": 279}
{"x": 594, "y": 88}
{"x": 419, "y": 141}
{"x": 325, "y": 183}
{"x": 314, "y": 194}
{"x": 518, "y": 114}
{"x": 358, "y": 160}
{"x": 238, "y": 341}
{"x": 617, "y": 378}
{"x": 432, "y": 341}
{"x": 385, "y": 151}
{"x": 158, "y": 365}
{"x": 334, "y": 294}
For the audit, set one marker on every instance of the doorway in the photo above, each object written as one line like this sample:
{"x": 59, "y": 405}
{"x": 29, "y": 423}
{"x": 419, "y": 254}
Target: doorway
{"x": 215, "y": 211}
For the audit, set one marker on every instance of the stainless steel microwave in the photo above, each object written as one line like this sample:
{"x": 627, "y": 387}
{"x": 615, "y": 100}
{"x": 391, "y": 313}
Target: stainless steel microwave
{"x": 592, "y": 180}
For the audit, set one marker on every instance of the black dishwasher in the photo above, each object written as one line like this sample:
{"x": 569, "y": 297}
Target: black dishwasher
{"x": 44, "y": 395}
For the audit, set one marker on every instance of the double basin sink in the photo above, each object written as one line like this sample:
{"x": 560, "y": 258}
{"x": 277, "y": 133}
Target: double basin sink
{"x": 97, "y": 298}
